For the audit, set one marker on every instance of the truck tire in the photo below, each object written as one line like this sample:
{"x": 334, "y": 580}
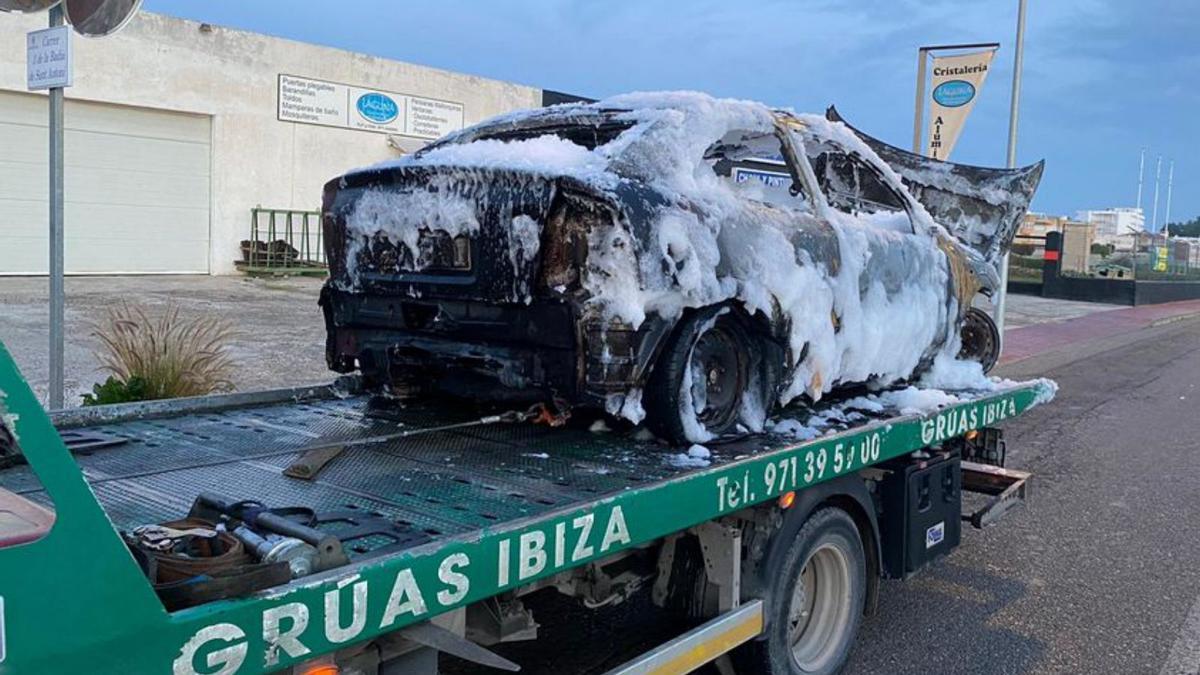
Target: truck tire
{"x": 816, "y": 600}
{"x": 714, "y": 347}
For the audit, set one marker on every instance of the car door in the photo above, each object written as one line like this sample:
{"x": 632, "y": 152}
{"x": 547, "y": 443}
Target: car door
{"x": 903, "y": 273}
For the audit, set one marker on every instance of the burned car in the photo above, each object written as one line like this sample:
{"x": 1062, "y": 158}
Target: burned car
{"x": 674, "y": 258}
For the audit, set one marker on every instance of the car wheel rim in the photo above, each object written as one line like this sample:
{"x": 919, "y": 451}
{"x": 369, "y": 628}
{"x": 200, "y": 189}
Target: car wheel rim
{"x": 978, "y": 342}
{"x": 819, "y": 614}
{"x": 716, "y": 375}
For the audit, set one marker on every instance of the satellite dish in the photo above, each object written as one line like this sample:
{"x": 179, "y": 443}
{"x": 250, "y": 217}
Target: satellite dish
{"x": 26, "y": 6}
{"x": 97, "y": 18}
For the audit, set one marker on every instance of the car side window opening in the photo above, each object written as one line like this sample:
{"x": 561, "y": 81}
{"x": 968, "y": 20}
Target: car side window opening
{"x": 752, "y": 163}
{"x": 854, "y": 187}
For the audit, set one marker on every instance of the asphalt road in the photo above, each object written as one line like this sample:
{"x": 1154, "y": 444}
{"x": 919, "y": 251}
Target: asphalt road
{"x": 1098, "y": 574}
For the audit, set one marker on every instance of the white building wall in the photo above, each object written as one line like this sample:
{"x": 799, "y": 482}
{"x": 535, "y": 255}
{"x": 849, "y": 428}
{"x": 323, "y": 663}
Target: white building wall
{"x": 1114, "y": 222}
{"x": 165, "y": 63}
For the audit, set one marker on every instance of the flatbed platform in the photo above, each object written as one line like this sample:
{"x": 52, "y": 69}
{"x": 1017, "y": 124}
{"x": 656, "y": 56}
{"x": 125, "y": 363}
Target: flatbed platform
{"x": 438, "y": 484}
{"x": 483, "y": 510}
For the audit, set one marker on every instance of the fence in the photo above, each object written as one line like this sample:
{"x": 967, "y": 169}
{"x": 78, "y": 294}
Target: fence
{"x": 283, "y": 241}
{"x": 1025, "y": 258}
{"x": 1162, "y": 259}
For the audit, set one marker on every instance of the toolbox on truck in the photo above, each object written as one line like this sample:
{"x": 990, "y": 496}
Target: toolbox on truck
{"x": 919, "y": 511}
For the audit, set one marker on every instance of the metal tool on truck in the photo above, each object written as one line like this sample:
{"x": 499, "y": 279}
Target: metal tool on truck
{"x": 775, "y": 549}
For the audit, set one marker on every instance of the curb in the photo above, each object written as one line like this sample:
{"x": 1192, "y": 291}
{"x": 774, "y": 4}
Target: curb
{"x": 1172, "y": 319}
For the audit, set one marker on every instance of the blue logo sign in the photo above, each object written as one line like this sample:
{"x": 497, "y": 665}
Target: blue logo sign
{"x": 954, "y": 93}
{"x": 379, "y": 108}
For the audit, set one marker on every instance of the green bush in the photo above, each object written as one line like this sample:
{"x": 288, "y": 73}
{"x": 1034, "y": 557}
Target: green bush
{"x": 116, "y": 391}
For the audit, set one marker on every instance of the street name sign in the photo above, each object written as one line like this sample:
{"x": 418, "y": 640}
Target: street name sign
{"x": 49, "y": 58}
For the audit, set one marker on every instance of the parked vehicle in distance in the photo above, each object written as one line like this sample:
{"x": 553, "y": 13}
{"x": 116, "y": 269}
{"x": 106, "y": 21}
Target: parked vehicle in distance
{"x": 687, "y": 261}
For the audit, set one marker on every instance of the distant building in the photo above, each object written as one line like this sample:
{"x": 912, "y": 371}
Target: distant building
{"x": 1114, "y": 224}
{"x": 1031, "y": 236}
{"x": 1037, "y": 225}
{"x": 1077, "y": 247}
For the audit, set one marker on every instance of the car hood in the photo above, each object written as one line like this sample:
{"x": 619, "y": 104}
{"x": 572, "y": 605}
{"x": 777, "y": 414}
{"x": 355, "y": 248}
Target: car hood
{"x": 981, "y": 206}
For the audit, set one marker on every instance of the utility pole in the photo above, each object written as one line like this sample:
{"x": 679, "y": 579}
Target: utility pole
{"x": 57, "y": 289}
{"x": 1141, "y": 171}
{"x": 1157, "y": 178}
{"x": 1167, "y": 219}
{"x": 1013, "y": 109}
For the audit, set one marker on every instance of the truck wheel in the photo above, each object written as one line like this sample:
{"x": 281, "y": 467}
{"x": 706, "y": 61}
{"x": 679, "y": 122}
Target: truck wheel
{"x": 980, "y": 339}
{"x": 818, "y": 597}
{"x": 700, "y": 378}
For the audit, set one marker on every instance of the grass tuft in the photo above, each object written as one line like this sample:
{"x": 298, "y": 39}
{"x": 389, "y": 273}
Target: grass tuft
{"x": 168, "y": 355}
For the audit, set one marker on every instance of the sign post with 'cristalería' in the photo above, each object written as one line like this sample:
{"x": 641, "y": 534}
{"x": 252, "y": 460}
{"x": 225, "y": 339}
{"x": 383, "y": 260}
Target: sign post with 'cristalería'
{"x": 956, "y": 82}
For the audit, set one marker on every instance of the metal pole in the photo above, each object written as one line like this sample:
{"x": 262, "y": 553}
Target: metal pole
{"x": 57, "y": 294}
{"x": 1013, "y": 108}
{"x": 1157, "y": 180}
{"x": 920, "y": 107}
{"x": 1141, "y": 171}
{"x": 1167, "y": 217}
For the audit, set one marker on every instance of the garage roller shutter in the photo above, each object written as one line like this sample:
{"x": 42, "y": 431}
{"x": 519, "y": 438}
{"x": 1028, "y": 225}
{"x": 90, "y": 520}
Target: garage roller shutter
{"x": 137, "y": 188}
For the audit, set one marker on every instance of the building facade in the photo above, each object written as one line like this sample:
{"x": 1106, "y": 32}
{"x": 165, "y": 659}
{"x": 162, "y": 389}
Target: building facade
{"x": 1112, "y": 225}
{"x": 175, "y": 130}
{"x": 1037, "y": 225}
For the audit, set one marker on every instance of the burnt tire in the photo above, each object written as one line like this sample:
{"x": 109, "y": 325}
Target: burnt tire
{"x": 980, "y": 339}
{"x": 703, "y": 371}
{"x": 815, "y": 599}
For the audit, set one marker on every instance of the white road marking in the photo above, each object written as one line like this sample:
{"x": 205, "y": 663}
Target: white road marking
{"x": 1184, "y": 658}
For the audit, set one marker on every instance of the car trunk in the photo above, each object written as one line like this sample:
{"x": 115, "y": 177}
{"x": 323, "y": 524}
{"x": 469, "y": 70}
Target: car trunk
{"x": 438, "y": 232}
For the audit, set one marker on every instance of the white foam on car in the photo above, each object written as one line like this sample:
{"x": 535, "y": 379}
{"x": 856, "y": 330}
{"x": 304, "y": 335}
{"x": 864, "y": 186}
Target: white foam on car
{"x": 524, "y": 241}
{"x": 695, "y": 457}
{"x": 400, "y": 216}
{"x": 733, "y": 254}
{"x": 627, "y": 405}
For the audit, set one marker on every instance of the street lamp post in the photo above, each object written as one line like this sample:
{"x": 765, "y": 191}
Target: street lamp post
{"x": 1013, "y": 109}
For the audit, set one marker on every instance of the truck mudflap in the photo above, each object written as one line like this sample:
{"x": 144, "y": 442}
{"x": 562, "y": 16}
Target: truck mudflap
{"x": 981, "y": 206}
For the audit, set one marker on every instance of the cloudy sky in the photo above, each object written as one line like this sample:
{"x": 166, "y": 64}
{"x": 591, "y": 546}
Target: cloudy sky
{"x": 1103, "y": 78}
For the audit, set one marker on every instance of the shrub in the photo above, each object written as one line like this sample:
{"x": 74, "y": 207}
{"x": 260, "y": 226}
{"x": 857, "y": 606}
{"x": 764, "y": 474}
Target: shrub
{"x": 167, "y": 356}
{"x": 116, "y": 391}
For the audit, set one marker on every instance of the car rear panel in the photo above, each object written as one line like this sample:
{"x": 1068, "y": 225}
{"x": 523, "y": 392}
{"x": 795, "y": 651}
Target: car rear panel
{"x": 497, "y": 262}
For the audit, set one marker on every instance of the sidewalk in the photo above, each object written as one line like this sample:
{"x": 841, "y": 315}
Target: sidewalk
{"x": 1033, "y": 339}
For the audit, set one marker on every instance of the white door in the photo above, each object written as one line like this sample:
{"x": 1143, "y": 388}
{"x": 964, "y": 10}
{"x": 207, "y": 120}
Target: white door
{"x": 137, "y": 188}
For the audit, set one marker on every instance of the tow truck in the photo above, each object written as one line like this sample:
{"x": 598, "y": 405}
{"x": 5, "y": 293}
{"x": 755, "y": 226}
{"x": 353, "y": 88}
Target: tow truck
{"x": 409, "y": 531}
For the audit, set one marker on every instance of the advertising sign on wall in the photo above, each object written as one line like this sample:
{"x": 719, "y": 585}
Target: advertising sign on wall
{"x": 331, "y": 104}
{"x": 956, "y": 84}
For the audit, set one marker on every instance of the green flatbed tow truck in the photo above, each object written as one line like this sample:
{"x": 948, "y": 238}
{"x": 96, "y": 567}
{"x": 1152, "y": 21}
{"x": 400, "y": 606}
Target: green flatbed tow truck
{"x": 772, "y": 548}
